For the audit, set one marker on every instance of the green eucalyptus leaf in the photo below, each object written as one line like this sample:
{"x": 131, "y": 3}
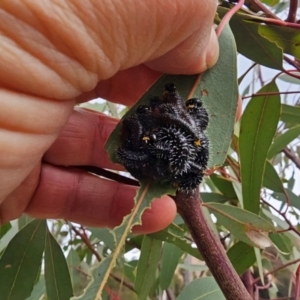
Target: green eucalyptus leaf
{"x": 242, "y": 256}
{"x": 175, "y": 235}
{"x": 39, "y": 290}
{"x": 224, "y": 186}
{"x": 290, "y": 79}
{"x": 271, "y": 179}
{"x": 290, "y": 114}
{"x": 215, "y": 197}
{"x": 100, "y": 273}
{"x": 246, "y": 226}
{"x": 219, "y": 92}
{"x": 249, "y": 41}
{"x": 205, "y": 288}
{"x": 286, "y": 38}
{"x": 21, "y": 261}
{"x": 147, "y": 266}
{"x": 169, "y": 261}
{"x": 283, "y": 140}
{"x": 4, "y": 229}
{"x": 258, "y": 127}
{"x": 57, "y": 276}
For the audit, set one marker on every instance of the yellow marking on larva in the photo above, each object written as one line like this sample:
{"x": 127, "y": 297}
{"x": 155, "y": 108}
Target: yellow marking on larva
{"x": 197, "y": 143}
{"x": 191, "y": 106}
{"x": 146, "y": 139}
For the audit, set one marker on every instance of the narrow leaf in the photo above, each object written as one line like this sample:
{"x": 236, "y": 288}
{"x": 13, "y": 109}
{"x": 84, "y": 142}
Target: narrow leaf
{"x": 250, "y": 43}
{"x": 100, "y": 273}
{"x": 57, "y": 276}
{"x": 4, "y": 229}
{"x": 147, "y": 266}
{"x": 21, "y": 261}
{"x": 286, "y": 38}
{"x": 175, "y": 235}
{"x": 246, "y": 226}
{"x": 258, "y": 127}
{"x": 219, "y": 91}
{"x": 204, "y": 288}
{"x": 242, "y": 256}
{"x": 224, "y": 186}
{"x": 170, "y": 259}
{"x": 38, "y": 290}
{"x": 271, "y": 179}
{"x": 283, "y": 140}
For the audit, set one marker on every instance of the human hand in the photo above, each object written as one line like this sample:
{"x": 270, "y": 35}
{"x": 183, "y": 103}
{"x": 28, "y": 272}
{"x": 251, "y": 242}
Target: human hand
{"x": 58, "y": 53}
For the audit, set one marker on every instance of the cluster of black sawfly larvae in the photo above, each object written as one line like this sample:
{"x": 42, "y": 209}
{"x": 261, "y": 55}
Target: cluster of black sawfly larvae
{"x": 165, "y": 141}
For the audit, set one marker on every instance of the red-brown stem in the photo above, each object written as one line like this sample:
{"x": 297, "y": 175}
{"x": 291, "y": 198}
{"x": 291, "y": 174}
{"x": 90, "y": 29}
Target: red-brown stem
{"x": 292, "y": 11}
{"x": 210, "y": 247}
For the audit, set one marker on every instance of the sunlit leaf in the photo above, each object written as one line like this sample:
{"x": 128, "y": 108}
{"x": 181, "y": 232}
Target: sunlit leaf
{"x": 286, "y": 38}
{"x": 270, "y": 2}
{"x": 57, "y": 276}
{"x": 258, "y": 127}
{"x": 204, "y": 288}
{"x": 21, "y": 261}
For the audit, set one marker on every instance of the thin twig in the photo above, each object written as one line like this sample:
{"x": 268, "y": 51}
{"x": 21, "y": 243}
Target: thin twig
{"x": 292, "y": 11}
{"x": 292, "y": 62}
{"x": 228, "y": 16}
{"x": 291, "y": 155}
{"x": 260, "y": 7}
{"x": 278, "y": 269}
{"x": 88, "y": 243}
{"x": 248, "y": 281}
{"x": 86, "y": 240}
{"x": 122, "y": 281}
{"x": 291, "y": 226}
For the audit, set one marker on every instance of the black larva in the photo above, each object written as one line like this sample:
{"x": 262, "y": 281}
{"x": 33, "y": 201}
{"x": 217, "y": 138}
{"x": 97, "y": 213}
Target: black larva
{"x": 165, "y": 141}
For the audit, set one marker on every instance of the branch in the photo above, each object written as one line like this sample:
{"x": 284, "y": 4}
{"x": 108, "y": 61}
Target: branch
{"x": 292, "y": 11}
{"x": 291, "y": 226}
{"x": 88, "y": 243}
{"x": 86, "y": 240}
{"x": 210, "y": 247}
{"x": 279, "y": 268}
{"x": 256, "y": 6}
{"x": 291, "y": 155}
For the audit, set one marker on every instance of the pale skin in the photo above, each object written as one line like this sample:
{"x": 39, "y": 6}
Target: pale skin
{"x": 57, "y": 53}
